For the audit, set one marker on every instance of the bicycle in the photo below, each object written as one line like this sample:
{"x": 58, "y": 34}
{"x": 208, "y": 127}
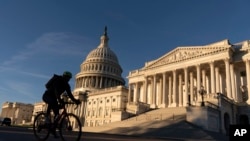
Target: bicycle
{"x": 68, "y": 124}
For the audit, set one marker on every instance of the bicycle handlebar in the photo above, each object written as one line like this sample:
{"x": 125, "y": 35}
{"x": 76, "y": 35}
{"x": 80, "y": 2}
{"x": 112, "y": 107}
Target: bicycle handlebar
{"x": 67, "y": 103}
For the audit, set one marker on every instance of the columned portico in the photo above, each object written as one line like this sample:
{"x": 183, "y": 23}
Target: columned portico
{"x": 177, "y": 77}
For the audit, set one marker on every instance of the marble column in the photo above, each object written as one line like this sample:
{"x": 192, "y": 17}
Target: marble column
{"x": 154, "y": 92}
{"x": 129, "y": 93}
{"x": 145, "y": 89}
{"x": 164, "y": 90}
{"x": 135, "y": 93}
{"x": 174, "y": 89}
{"x": 159, "y": 93}
{"x": 228, "y": 79}
{"x": 180, "y": 102}
{"x": 217, "y": 81}
{"x": 169, "y": 91}
{"x": 185, "y": 95}
{"x": 212, "y": 81}
{"x": 198, "y": 70}
{"x": 203, "y": 78}
{"x": 97, "y": 81}
{"x": 191, "y": 88}
{"x": 238, "y": 85}
{"x": 233, "y": 84}
{"x": 248, "y": 79}
{"x": 101, "y": 79}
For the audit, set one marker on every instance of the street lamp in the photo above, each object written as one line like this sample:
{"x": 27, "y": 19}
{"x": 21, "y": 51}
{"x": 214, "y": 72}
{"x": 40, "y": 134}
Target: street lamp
{"x": 202, "y": 91}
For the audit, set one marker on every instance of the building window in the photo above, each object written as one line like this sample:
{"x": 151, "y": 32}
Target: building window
{"x": 107, "y": 112}
{"x": 100, "y": 111}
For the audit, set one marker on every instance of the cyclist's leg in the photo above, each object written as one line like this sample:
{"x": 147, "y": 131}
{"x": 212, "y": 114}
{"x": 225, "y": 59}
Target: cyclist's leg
{"x": 70, "y": 127}
{"x": 41, "y": 131}
{"x": 55, "y": 108}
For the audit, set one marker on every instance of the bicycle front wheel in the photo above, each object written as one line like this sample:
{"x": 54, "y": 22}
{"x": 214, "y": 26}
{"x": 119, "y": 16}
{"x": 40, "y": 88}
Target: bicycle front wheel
{"x": 70, "y": 128}
{"x": 40, "y": 129}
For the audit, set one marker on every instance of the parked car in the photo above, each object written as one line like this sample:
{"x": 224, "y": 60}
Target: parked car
{"x": 6, "y": 121}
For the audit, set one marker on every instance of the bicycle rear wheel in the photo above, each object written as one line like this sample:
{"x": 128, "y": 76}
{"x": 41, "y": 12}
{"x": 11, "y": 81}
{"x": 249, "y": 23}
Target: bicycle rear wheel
{"x": 40, "y": 129}
{"x": 70, "y": 128}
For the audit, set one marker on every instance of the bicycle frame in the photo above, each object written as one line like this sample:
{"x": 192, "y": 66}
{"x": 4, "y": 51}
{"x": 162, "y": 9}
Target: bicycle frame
{"x": 64, "y": 112}
{"x": 61, "y": 122}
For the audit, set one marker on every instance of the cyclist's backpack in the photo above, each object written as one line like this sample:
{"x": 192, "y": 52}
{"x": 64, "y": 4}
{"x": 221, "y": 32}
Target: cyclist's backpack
{"x": 49, "y": 84}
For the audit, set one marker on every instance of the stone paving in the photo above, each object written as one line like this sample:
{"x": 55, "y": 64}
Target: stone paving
{"x": 177, "y": 129}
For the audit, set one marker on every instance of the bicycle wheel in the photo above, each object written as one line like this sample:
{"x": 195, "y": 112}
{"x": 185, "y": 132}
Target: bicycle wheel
{"x": 40, "y": 129}
{"x": 70, "y": 128}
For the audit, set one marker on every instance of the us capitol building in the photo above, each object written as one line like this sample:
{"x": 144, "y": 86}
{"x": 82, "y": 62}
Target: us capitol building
{"x": 211, "y": 81}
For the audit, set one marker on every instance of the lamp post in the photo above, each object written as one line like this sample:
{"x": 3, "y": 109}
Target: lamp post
{"x": 202, "y": 91}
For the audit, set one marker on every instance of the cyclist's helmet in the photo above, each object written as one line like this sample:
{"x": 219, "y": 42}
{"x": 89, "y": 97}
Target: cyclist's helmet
{"x": 67, "y": 74}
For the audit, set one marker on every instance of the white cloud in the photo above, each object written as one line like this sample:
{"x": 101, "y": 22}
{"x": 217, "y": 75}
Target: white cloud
{"x": 12, "y": 69}
{"x": 46, "y": 49}
{"x": 56, "y": 44}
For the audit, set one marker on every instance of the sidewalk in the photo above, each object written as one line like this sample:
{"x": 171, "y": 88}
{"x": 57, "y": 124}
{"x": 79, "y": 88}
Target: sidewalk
{"x": 176, "y": 130}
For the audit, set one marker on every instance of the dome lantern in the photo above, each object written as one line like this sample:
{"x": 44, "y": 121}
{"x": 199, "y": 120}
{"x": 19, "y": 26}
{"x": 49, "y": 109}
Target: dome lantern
{"x": 104, "y": 39}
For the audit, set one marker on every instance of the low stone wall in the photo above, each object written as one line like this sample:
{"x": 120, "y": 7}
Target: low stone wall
{"x": 205, "y": 117}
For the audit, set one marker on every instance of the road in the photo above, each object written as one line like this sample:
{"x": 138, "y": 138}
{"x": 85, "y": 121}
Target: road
{"x": 26, "y": 134}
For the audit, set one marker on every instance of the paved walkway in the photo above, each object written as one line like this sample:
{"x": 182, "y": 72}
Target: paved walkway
{"x": 170, "y": 130}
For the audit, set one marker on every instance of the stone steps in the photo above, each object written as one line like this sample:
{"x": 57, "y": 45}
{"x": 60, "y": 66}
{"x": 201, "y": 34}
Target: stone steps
{"x": 170, "y": 129}
{"x": 165, "y": 115}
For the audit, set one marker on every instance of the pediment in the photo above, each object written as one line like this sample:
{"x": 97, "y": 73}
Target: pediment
{"x": 184, "y": 53}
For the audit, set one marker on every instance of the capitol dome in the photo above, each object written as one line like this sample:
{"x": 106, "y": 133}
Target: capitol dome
{"x": 100, "y": 69}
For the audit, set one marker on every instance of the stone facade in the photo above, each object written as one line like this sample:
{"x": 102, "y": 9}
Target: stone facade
{"x": 38, "y": 107}
{"x": 100, "y": 74}
{"x": 20, "y": 113}
{"x": 177, "y": 78}
{"x": 174, "y": 80}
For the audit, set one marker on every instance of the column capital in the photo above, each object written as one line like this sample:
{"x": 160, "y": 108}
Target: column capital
{"x": 227, "y": 59}
{"x": 198, "y": 65}
{"x": 165, "y": 72}
{"x": 191, "y": 73}
{"x": 211, "y": 62}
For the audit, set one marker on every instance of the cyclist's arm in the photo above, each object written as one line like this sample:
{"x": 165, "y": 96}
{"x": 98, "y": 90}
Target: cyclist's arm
{"x": 68, "y": 90}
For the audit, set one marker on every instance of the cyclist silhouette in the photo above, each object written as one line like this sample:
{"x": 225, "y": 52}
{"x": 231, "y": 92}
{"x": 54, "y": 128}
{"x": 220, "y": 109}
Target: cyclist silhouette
{"x": 55, "y": 87}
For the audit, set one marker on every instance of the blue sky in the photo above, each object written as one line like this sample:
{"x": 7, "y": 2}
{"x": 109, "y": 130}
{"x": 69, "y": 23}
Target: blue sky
{"x": 41, "y": 37}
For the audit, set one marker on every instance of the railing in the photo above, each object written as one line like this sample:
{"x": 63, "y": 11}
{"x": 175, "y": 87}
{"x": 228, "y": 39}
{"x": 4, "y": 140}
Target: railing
{"x": 209, "y": 104}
